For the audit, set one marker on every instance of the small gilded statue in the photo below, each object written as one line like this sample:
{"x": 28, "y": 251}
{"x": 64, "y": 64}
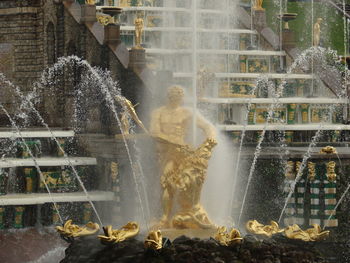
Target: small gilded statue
{"x": 90, "y": 2}
{"x": 139, "y": 24}
{"x": 258, "y": 5}
{"x": 128, "y": 111}
{"x": 317, "y": 32}
{"x": 312, "y": 172}
{"x": 203, "y": 79}
{"x": 331, "y": 175}
{"x": 290, "y": 174}
{"x": 328, "y": 150}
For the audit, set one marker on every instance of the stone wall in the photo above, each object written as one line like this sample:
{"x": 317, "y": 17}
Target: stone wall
{"x": 21, "y": 30}
{"x": 33, "y": 35}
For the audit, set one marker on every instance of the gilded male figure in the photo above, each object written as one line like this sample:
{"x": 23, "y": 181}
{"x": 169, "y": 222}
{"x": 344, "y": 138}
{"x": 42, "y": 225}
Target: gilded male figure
{"x": 182, "y": 168}
{"x": 317, "y": 32}
{"x": 138, "y": 30}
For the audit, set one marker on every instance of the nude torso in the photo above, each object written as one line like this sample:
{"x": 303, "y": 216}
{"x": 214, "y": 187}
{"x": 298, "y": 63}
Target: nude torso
{"x": 173, "y": 123}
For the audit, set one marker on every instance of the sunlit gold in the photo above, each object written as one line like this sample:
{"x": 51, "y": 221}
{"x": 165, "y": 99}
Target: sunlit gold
{"x": 130, "y": 230}
{"x": 256, "y": 228}
{"x": 154, "y": 240}
{"x": 312, "y": 172}
{"x": 71, "y": 230}
{"x": 139, "y": 24}
{"x": 331, "y": 175}
{"x": 128, "y": 110}
{"x": 105, "y": 20}
{"x": 309, "y": 235}
{"x": 317, "y": 32}
{"x": 290, "y": 174}
{"x": 228, "y": 239}
{"x": 90, "y": 2}
{"x": 328, "y": 150}
{"x": 297, "y": 166}
{"x": 183, "y": 169}
{"x": 258, "y": 5}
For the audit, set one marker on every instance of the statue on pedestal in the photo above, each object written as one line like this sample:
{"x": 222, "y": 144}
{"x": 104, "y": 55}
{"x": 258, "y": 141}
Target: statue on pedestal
{"x": 258, "y": 5}
{"x": 317, "y": 32}
{"x": 183, "y": 168}
{"x": 138, "y": 31}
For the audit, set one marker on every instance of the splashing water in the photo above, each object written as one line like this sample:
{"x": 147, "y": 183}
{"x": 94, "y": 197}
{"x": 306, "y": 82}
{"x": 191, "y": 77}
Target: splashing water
{"x": 97, "y": 78}
{"x": 42, "y": 178}
{"x": 257, "y": 152}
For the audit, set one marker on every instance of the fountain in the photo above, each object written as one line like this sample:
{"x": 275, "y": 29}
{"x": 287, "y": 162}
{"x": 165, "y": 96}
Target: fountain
{"x": 252, "y": 131}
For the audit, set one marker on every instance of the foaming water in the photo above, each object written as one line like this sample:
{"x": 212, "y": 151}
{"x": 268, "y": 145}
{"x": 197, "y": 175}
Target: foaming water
{"x": 219, "y": 182}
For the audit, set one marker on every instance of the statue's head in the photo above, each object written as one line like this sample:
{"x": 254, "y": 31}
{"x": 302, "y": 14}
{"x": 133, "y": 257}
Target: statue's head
{"x": 175, "y": 95}
{"x": 319, "y": 20}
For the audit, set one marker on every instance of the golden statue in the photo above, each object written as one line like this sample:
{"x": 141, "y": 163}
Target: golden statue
{"x": 228, "y": 239}
{"x": 90, "y": 2}
{"x": 124, "y": 3}
{"x": 309, "y": 235}
{"x": 105, "y": 19}
{"x": 328, "y": 150}
{"x": 258, "y": 5}
{"x": 70, "y": 230}
{"x": 317, "y": 32}
{"x": 203, "y": 79}
{"x": 154, "y": 240}
{"x": 331, "y": 175}
{"x": 289, "y": 173}
{"x": 183, "y": 169}
{"x": 312, "y": 172}
{"x": 138, "y": 31}
{"x": 255, "y": 227}
{"x": 130, "y": 230}
{"x": 128, "y": 110}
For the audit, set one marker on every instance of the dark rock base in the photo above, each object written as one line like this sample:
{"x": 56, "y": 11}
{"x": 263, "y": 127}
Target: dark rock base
{"x": 184, "y": 249}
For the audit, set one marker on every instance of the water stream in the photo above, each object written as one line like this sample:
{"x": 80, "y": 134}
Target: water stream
{"x": 108, "y": 89}
{"x": 42, "y": 178}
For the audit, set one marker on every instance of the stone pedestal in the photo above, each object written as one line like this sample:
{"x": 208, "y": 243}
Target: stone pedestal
{"x": 288, "y": 39}
{"x": 88, "y": 14}
{"x": 112, "y": 34}
{"x": 259, "y": 19}
{"x": 137, "y": 61}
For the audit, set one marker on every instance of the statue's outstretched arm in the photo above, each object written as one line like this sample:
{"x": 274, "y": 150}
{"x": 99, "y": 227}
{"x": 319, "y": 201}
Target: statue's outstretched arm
{"x": 131, "y": 110}
{"x": 207, "y": 127}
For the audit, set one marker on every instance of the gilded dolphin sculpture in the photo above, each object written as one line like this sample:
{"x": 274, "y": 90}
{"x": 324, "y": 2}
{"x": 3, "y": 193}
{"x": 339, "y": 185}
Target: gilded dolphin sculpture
{"x": 228, "y": 239}
{"x": 255, "y": 227}
{"x": 309, "y": 235}
{"x": 154, "y": 240}
{"x": 70, "y": 230}
{"x": 130, "y": 230}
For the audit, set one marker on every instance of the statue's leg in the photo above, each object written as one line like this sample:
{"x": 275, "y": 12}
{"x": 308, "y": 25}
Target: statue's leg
{"x": 167, "y": 203}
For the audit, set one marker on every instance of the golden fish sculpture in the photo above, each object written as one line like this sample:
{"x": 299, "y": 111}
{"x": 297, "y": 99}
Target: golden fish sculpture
{"x": 309, "y": 235}
{"x": 154, "y": 240}
{"x": 228, "y": 238}
{"x": 256, "y": 228}
{"x": 112, "y": 236}
{"x": 70, "y": 230}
